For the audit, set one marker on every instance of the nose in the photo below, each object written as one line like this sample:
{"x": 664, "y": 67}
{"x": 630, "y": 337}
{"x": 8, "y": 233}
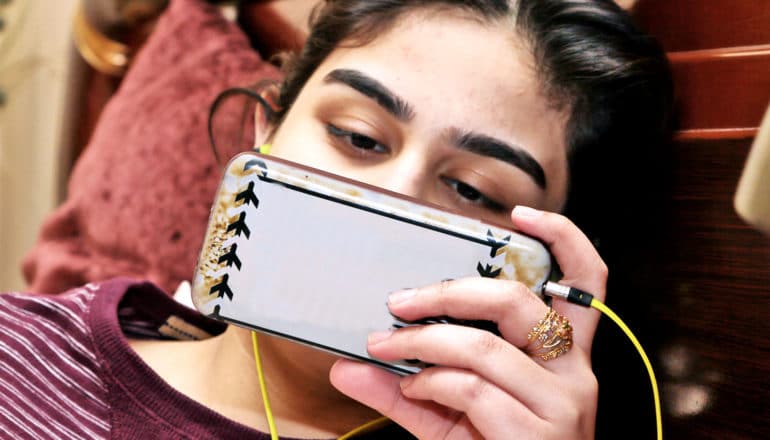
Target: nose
{"x": 405, "y": 175}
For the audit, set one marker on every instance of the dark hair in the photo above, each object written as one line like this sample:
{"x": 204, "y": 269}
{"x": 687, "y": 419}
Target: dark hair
{"x": 590, "y": 58}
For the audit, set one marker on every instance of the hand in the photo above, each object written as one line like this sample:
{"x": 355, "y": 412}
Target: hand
{"x": 485, "y": 386}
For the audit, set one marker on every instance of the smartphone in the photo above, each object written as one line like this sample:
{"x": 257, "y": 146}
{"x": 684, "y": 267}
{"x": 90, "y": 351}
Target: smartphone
{"x": 302, "y": 254}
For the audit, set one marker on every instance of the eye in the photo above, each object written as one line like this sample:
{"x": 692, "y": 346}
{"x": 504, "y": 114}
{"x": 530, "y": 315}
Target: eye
{"x": 356, "y": 140}
{"x": 469, "y": 194}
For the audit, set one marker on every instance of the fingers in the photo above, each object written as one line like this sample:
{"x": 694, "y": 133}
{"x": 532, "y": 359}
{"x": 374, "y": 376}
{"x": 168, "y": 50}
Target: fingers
{"x": 428, "y": 418}
{"x": 381, "y": 391}
{"x": 577, "y": 257}
{"x": 488, "y": 407}
{"x": 483, "y": 354}
{"x": 578, "y": 260}
{"x": 511, "y": 305}
{"x": 493, "y": 412}
{"x": 484, "y": 385}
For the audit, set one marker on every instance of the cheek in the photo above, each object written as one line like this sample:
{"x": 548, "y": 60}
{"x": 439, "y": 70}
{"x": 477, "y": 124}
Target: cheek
{"x": 296, "y": 141}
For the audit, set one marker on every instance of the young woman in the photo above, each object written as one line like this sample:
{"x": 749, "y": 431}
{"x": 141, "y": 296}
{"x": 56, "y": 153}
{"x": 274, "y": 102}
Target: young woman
{"x": 485, "y": 106}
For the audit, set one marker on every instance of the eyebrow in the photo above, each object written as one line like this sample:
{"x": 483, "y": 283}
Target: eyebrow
{"x": 476, "y": 143}
{"x": 372, "y": 88}
{"x": 488, "y": 146}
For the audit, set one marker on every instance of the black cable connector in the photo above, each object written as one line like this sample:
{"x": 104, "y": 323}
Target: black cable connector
{"x": 571, "y": 294}
{"x": 577, "y": 296}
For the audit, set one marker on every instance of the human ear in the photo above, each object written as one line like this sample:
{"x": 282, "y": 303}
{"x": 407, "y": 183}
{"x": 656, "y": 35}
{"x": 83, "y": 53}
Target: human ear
{"x": 241, "y": 119}
{"x": 265, "y": 114}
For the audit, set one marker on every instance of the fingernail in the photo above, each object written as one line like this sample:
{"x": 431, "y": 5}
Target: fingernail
{"x": 526, "y": 212}
{"x": 401, "y": 296}
{"x": 377, "y": 337}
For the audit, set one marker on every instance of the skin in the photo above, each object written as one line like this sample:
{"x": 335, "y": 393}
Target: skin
{"x": 456, "y": 75}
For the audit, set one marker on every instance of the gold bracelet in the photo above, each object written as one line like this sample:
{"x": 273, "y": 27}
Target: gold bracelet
{"x": 100, "y": 52}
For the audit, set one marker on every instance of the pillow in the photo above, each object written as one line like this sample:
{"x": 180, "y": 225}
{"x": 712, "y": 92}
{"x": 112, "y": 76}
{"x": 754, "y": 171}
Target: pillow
{"x": 139, "y": 196}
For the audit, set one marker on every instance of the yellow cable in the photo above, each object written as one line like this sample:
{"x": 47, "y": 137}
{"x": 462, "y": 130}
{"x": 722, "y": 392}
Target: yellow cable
{"x": 265, "y": 148}
{"x": 263, "y": 388}
{"x": 366, "y": 427}
{"x": 598, "y": 305}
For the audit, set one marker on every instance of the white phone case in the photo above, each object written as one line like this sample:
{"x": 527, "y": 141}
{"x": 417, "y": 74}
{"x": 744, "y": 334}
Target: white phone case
{"x": 309, "y": 256}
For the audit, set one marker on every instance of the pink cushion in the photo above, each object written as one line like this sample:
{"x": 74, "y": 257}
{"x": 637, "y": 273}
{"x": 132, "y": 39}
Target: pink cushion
{"x": 139, "y": 196}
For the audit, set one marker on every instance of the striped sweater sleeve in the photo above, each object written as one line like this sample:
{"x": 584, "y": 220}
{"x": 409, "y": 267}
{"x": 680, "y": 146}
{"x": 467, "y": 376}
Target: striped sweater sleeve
{"x": 49, "y": 382}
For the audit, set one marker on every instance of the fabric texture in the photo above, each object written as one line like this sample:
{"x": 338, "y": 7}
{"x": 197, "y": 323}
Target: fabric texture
{"x": 67, "y": 371}
{"x": 139, "y": 196}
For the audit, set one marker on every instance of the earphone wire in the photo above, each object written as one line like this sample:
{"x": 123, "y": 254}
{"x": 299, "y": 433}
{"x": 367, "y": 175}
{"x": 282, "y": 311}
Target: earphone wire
{"x": 600, "y": 306}
{"x": 585, "y": 299}
{"x": 222, "y": 161}
{"x": 263, "y": 387}
{"x": 366, "y": 427}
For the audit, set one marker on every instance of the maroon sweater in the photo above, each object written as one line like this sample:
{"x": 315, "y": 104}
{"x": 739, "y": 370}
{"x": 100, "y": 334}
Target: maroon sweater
{"x": 67, "y": 371}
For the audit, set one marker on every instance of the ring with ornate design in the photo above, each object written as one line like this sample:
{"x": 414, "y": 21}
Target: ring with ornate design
{"x": 551, "y": 337}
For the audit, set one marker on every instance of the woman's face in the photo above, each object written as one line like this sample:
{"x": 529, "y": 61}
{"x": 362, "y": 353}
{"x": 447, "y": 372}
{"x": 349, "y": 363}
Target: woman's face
{"x": 440, "y": 108}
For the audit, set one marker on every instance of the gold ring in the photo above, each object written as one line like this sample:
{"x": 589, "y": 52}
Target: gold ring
{"x": 551, "y": 337}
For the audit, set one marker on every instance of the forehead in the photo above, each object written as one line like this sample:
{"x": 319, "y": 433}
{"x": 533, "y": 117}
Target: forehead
{"x": 452, "y": 55}
{"x": 458, "y": 72}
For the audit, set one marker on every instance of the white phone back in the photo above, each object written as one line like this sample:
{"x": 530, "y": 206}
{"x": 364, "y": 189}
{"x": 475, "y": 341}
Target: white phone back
{"x": 312, "y": 257}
